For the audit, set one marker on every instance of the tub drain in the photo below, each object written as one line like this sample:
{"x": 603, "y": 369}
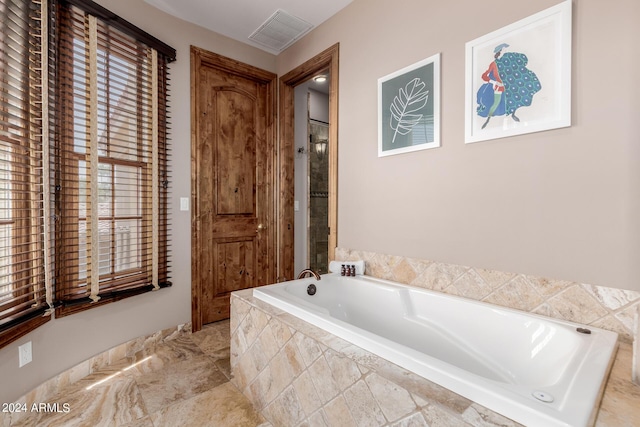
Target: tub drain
{"x": 542, "y": 396}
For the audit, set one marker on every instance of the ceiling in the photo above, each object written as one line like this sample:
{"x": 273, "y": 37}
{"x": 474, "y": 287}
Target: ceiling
{"x": 238, "y": 19}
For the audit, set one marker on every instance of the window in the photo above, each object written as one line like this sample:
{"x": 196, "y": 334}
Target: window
{"x": 22, "y": 258}
{"x": 83, "y": 160}
{"x": 111, "y": 162}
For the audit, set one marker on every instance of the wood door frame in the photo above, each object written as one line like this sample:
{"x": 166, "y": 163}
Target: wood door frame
{"x": 231, "y": 66}
{"x": 327, "y": 60}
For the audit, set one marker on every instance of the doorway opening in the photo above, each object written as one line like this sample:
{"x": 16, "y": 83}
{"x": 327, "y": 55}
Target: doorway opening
{"x": 311, "y": 169}
{"x": 318, "y": 236}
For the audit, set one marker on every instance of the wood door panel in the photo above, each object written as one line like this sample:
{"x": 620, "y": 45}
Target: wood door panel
{"x": 235, "y": 113}
{"x": 236, "y": 265}
{"x": 232, "y": 149}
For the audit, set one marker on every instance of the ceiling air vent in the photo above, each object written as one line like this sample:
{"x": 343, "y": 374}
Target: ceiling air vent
{"x": 280, "y": 30}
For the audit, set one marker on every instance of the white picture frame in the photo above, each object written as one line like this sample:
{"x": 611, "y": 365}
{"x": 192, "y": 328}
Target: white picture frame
{"x": 518, "y": 78}
{"x": 409, "y": 108}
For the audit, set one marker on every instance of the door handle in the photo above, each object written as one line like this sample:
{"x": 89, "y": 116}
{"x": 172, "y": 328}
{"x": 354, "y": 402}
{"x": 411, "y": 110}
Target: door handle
{"x": 261, "y": 227}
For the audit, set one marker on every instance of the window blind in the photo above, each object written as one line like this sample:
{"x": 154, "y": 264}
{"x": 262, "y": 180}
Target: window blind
{"x": 111, "y": 162}
{"x": 23, "y": 263}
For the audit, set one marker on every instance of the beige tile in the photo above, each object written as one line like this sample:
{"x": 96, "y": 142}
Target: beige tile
{"x": 307, "y": 394}
{"x": 213, "y": 338}
{"x": 142, "y": 422}
{"x": 472, "y": 285}
{"x": 548, "y": 287}
{"x": 612, "y": 298}
{"x": 224, "y": 366}
{"x": 309, "y": 349}
{"x": 611, "y": 323}
{"x": 165, "y": 354}
{"x": 620, "y": 404}
{"x": 518, "y": 293}
{"x": 363, "y": 406}
{"x": 477, "y": 415}
{"x": 344, "y": 370}
{"x": 179, "y": 381}
{"x": 415, "y": 420}
{"x": 323, "y": 380}
{"x": 239, "y": 310}
{"x": 318, "y": 419}
{"x": 113, "y": 402}
{"x": 494, "y": 278}
{"x": 394, "y": 401}
{"x": 222, "y": 406}
{"x": 294, "y": 358}
{"x": 437, "y": 416}
{"x": 285, "y": 410}
{"x": 281, "y": 332}
{"x": 404, "y": 272}
{"x": 577, "y": 305}
{"x": 338, "y": 414}
{"x": 245, "y": 371}
{"x": 267, "y": 385}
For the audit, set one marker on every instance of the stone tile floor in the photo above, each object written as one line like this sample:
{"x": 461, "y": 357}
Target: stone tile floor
{"x": 185, "y": 382}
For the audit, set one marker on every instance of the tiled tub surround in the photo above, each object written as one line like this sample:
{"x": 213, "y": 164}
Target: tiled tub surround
{"x": 497, "y": 357}
{"x": 296, "y": 374}
{"x": 607, "y": 308}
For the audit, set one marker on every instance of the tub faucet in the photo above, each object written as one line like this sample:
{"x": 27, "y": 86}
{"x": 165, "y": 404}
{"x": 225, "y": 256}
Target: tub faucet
{"x": 306, "y": 272}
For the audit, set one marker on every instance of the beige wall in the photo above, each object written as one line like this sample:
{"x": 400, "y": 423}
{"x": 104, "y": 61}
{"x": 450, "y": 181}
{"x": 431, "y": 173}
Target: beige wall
{"x": 562, "y": 204}
{"x": 62, "y": 343}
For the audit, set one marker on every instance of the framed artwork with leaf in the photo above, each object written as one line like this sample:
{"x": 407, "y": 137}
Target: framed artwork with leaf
{"x": 409, "y": 108}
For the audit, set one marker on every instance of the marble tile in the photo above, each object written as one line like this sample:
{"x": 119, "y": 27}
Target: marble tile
{"x": 472, "y": 285}
{"x": 309, "y": 349}
{"x": 363, "y": 406}
{"x": 307, "y": 394}
{"x": 611, "y": 298}
{"x": 222, "y": 406}
{"x": 345, "y": 371}
{"x": 440, "y": 417}
{"x": 477, "y": 415}
{"x": 286, "y": 409}
{"x": 113, "y": 402}
{"x": 213, "y": 338}
{"x": 577, "y": 305}
{"x": 415, "y": 420}
{"x": 317, "y": 419}
{"x": 518, "y": 293}
{"x": 165, "y": 355}
{"x": 338, "y": 414}
{"x": 620, "y": 404}
{"x": 404, "y": 272}
{"x": 224, "y": 366}
{"x": 635, "y": 362}
{"x": 178, "y": 381}
{"x": 395, "y": 402}
{"x": 494, "y": 278}
{"x": 323, "y": 380}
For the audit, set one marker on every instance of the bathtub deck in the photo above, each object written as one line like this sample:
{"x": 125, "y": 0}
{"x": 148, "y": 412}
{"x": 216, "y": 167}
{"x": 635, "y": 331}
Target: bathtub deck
{"x": 294, "y": 372}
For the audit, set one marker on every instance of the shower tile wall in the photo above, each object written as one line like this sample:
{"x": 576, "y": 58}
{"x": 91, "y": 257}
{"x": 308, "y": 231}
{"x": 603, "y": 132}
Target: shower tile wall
{"x": 318, "y": 201}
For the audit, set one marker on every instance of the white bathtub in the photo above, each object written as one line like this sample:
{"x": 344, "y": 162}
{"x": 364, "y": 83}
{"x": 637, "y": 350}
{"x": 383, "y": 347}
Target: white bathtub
{"x": 494, "y": 356}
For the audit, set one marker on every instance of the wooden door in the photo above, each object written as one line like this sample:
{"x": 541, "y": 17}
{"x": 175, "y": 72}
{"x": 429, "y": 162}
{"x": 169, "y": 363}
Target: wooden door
{"x": 233, "y": 218}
